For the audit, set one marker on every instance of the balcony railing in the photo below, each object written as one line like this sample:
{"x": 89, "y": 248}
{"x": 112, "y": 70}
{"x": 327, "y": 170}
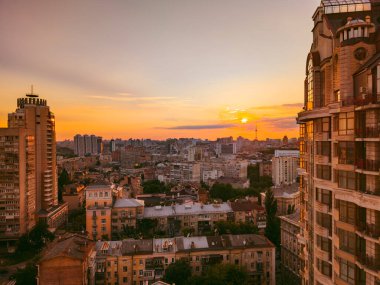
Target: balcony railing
{"x": 368, "y": 164}
{"x": 370, "y": 262}
{"x": 365, "y": 99}
{"x": 368, "y": 132}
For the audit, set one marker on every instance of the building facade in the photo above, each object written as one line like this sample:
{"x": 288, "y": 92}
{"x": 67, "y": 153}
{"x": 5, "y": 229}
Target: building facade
{"x": 291, "y": 262}
{"x": 98, "y": 211}
{"x": 143, "y": 262}
{"x": 87, "y": 145}
{"x": 284, "y": 166}
{"x": 340, "y": 146}
{"x": 28, "y": 171}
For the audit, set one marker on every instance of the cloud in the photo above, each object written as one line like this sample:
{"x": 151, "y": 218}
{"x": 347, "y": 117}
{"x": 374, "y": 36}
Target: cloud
{"x": 125, "y": 97}
{"x": 280, "y": 123}
{"x": 200, "y": 127}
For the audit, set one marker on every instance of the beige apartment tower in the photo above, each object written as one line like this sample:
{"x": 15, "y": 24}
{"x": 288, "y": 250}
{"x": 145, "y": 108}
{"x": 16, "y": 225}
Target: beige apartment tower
{"x": 28, "y": 176}
{"x": 340, "y": 146}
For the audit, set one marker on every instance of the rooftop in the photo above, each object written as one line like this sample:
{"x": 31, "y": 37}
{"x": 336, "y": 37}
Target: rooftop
{"x": 286, "y": 191}
{"x": 74, "y": 246}
{"x": 186, "y": 209}
{"x": 124, "y": 203}
{"x": 345, "y": 6}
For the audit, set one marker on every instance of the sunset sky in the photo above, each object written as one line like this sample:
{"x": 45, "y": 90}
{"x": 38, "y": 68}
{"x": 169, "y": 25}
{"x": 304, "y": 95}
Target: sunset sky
{"x": 158, "y": 68}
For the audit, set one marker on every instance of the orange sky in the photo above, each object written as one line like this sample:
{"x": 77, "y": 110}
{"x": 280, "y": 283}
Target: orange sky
{"x": 158, "y": 69}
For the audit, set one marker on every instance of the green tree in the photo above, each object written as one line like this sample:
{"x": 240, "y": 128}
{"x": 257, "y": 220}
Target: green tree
{"x": 222, "y": 274}
{"x": 226, "y": 227}
{"x": 27, "y": 275}
{"x": 63, "y": 180}
{"x": 154, "y": 187}
{"x": 146, "y": 227}
{"x": 272, "y": 230}
{"x": 225, "y": 192}
{"x": 178, "y": 273}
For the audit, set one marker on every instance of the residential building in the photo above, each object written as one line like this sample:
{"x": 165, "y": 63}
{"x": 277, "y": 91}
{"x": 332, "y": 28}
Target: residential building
{"x": 287, "y": 197}
{"x": 340, "y": 146}
{"x": 125, "y": 213}
{"x": 28, "y": 172}
{"x": 185, "y": 172}
{"x": 87, "y": 145}
{"x": 145, "y": 261}
{"x": 246, "y": 211}
{"x": 265, "y": 168}
{"x": 197, "y": 216}
{"x": 291, "y": 250}
{"x": 98, "y": 211}
{"x": 284, "y": 166}
{"x": 68, "y": 260}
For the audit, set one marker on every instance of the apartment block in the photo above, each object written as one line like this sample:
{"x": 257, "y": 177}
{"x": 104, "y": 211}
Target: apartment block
{"x": 197, "y": 216}
{"x": 28, "y": 172}
{"x": 125, "y": 213}
{"x": 340, "y": 146}
{"x": 87, "y": 145}
{"x": 291, "y": 250}
{"x": 68, "y": 260}
{"x": 144, "y": 261}
{"x": 98, "y": 211}
{"x": 284, "y": 166}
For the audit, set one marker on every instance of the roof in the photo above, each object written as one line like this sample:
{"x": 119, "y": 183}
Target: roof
{"x": 286, "y": 191}
{"x": 245, "y": 206}
{"x": 178, "y": 244}
{"x": 345, "y": 6}
{"x": 292, "y": 218}
{"x": 73, "y": 246}
{"x": 186, "y": 209}
{"x": 98, "y": 186}
{"x": 125, "y": 203}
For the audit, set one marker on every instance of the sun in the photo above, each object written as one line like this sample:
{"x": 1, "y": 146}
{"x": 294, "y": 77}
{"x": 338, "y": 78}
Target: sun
{"x": 244, "y": 120}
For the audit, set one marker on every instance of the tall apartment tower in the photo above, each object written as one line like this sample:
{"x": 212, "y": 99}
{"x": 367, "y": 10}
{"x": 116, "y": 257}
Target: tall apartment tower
{"x": 340, "y": 146}
{"x": 28, "y": 173}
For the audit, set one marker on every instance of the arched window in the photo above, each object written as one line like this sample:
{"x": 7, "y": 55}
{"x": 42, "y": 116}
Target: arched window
{"x": 310, "y": 90}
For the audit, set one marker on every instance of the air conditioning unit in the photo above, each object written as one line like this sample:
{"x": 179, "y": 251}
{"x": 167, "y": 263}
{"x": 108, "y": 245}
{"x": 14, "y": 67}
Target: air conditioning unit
{"x": 363, "y": 89}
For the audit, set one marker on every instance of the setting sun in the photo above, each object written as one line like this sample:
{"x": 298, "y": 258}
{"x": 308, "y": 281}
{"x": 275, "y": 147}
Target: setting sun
{"x": 244, "y": 120}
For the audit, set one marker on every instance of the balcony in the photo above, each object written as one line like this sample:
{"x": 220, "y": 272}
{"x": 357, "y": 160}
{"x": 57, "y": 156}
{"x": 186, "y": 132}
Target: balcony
{"x": 368, "y": 164}
{"x": 323, "y": 208}
{"x": 370, "y": 262}
{"x": 322, "y": 231}
{"x": 368, "y": 132}
{"x": 369, "y": 230}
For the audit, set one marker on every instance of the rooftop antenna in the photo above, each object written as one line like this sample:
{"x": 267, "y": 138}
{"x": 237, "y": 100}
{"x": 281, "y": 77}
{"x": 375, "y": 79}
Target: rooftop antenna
{"x": 31, "y": 95}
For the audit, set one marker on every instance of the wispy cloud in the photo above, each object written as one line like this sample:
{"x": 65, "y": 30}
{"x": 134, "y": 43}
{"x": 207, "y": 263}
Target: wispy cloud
{"x": 131, "y": 98}
{"x": 199, "y": 127}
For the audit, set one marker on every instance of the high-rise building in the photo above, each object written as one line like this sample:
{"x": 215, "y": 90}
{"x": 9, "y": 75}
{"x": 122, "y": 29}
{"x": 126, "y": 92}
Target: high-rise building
{"x": 340, "y": 146}
{"x": 284, "y": 166}
{"x": 28, "y": 172}
{"x": 87, "y": 145}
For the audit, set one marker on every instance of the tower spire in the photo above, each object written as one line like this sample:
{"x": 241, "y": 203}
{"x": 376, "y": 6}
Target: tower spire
{"x": 31, "y": 94}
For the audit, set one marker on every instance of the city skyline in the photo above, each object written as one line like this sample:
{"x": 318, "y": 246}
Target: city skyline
{"x": 158, "y": 70}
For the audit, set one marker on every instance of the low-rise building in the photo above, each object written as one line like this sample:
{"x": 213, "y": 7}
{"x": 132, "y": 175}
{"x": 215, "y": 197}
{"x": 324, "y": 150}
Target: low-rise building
{"x": 246, "y": 211}
{"x": 196, "y": 216}
{"x": 74, "y": 196}
{"x": 125, "y": 213}
{"x": 69, "y": 260}
{"x": 145, "y": 261}
{"x": 288, "y": 198}
{"x": 291, "y": 261}
{"x": 98, "y": 211}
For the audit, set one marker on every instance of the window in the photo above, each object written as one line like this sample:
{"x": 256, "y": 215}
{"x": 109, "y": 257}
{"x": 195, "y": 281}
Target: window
{"x": 324, "y": 220}
{"x": 140, "y": 272}
{"x": 323, "y": 196}
{"x": 346, "y": 123}
{"x": 346, "y": 241}
{"x": 324, "y": 267}
{"x": 125, "y": 279}
{"x": 309, "y": 85}
{"x": 346, "y": 179}
{"x": 322, "y": 125}
{"x": 323, "y": 148}
{"x": 125, "y": 268}
{"x": 324, "y": 243}
{"x": 346, "y": 153}
{"x": 347, "y": 271}
{"x": 347, "y": 212}
{"x": 324, "y": 172}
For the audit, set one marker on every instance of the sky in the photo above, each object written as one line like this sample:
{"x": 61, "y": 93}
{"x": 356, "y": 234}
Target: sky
{"x": 158, "y": 68}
